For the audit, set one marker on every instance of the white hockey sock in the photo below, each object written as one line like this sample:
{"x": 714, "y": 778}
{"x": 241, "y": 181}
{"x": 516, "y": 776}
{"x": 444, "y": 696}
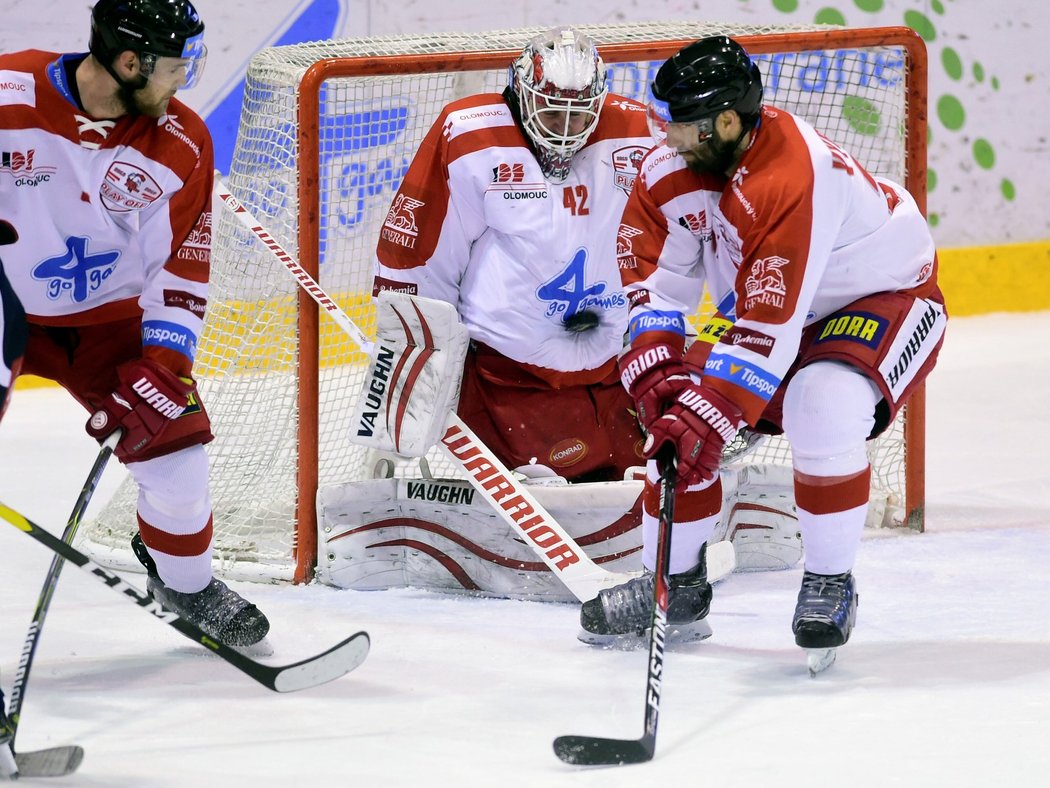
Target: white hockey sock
{"x": 173, "y": 499}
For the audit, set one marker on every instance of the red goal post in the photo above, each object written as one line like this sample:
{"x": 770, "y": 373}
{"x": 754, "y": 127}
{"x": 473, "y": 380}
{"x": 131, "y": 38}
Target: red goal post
{"x": 326, "y": 131}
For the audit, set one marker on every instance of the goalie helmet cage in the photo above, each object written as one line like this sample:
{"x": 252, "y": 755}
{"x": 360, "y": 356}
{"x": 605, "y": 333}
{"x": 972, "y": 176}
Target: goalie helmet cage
{"x": 327, "y": 131}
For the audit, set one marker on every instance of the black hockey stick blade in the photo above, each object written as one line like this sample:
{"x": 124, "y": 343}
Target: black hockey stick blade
{"x": 52, "y": 762}
{"x": 596, "y": 751}
{"x": 326, "y": 666}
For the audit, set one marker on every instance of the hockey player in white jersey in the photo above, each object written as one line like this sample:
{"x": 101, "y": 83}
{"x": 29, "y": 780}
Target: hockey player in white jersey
{"x": 109, "y": 179}
{"x": 829, "y": 316}
{"x": 509, "y": 211}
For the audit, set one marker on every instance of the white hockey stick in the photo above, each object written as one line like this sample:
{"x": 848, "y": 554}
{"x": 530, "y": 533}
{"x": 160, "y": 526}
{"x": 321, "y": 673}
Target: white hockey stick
{"x": 488, "y": 475}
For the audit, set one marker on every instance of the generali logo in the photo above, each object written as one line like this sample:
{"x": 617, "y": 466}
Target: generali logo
{"x": 625, "y": 247}
{"x": 400, "y": 226}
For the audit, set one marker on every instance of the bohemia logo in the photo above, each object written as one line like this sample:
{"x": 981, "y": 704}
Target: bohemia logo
{"x": 508, "y": 173}
{"x": 400, "y": 226}
{"x": 625, "y": 247}
{"x": 765, "y": 283}
{"x": 626, "y": 163}
{"x": 127, "y": 187}
{"x": 21, "y": 166}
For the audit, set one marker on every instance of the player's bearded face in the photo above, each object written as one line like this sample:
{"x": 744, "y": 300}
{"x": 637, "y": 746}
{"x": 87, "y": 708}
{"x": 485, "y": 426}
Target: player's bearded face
{"x": 152, "y": 99}
{"x": 711, "y": 153}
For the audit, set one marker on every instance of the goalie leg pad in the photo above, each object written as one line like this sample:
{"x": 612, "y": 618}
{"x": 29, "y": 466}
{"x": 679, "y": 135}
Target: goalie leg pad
{"x": 762, "y": 521}
{"x": 441, "y": 535}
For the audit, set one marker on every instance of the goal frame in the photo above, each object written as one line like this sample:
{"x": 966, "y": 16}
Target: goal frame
{"x": 308, "y": 103}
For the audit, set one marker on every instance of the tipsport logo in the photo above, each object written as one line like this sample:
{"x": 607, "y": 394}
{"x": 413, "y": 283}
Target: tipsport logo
{"x": 78, "y": 273}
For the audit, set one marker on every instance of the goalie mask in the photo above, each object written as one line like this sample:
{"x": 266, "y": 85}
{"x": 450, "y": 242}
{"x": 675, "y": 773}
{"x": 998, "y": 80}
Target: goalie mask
{"x": 560, "y": 83}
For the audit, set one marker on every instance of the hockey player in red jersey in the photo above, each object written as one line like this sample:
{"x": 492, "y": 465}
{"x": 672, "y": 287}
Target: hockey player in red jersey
{"x": 829, "y": 317}
{"x": 509, "y": 211}
{"x": 109, "y": 178}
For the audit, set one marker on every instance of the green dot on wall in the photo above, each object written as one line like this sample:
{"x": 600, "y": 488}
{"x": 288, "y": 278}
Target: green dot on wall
{"x": 921, "y": 25}
{"x": 1007, "y": 188}
{"x": 937, "y": 6}
{"x": 933, "y": 219}
{"x": 951, "y": 113}
{"x": 829, "y": 16}
{"x": 978, "y": 72}
{"x": 931, "y": 180}
{"x": 787, "y": 6}
{"x": 862, "y": 116}
{"x": 983, "y": 153}
{"x": 871, "y": 6}
{"x": 952, "y": 64}
{"x": 995, "y": 83}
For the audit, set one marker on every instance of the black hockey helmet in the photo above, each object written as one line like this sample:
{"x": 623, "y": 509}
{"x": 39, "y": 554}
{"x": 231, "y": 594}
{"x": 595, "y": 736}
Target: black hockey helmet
{"x": 151, "y": 29}
{"x": 707, "y": 77}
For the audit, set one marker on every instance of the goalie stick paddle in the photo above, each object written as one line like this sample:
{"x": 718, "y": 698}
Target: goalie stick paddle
{"x": 310, "y": 672}
{"x": 600, "y": 751}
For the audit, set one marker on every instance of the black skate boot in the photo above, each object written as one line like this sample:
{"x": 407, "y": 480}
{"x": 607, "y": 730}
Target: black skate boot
{"x": 621, "y": 616}
{"x": 218, "y": 610}
{"x": 824, "y": 616}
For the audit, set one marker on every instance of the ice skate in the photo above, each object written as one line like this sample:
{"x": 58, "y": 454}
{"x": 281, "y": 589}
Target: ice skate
{"x": 218, "y": 610}
{"x": 621, "y": 617}
{"x": 824, "y": 617}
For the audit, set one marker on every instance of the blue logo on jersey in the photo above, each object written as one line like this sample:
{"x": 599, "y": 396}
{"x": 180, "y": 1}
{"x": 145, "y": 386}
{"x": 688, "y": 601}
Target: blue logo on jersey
{"x": 568, "y": 294}
{"x": 76, "y": 272}
{"x": 753, "y": 379}
{"x": 170, "y": 335}
{"x": 655, "y": 320}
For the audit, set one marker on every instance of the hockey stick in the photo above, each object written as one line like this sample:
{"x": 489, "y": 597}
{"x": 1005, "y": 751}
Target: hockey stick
{"x": 319, "y": 669}
{"x": 599, "y": 751}
{"x": 54, "y": 761}
{"x": 486, "y": 473}
{"x": 43, "y": 603}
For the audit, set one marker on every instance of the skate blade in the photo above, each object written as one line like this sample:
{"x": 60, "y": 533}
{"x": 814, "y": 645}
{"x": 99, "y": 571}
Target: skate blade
{"x": 676, "y": 634}
{"x": 820, "y": 659}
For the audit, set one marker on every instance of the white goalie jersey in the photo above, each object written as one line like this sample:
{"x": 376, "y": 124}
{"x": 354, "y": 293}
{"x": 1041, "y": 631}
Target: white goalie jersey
{"x": 475, "y": 223}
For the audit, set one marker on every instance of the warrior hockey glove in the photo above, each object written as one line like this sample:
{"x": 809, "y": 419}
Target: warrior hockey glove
{"x": 699, "y": 424}
{"x": 653, "y": 375}
{"x": 148, "y": 398}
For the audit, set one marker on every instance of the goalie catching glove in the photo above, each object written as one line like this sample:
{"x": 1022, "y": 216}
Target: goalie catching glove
{"x": 147, "y": 400}
{"x": 653, "y": 375}
{"x": 698, "y": 424}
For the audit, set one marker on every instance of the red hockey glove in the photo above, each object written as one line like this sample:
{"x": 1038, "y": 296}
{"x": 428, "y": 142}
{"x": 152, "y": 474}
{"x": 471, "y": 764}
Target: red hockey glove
{"x": 699, "y": 424}
{"x": 653, "y": 375}
{"x": 148, "y": 398}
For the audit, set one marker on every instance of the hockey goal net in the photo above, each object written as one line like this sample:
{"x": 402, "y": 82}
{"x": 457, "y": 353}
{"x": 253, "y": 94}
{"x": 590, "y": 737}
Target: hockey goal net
{"x": 327, "y": 131}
